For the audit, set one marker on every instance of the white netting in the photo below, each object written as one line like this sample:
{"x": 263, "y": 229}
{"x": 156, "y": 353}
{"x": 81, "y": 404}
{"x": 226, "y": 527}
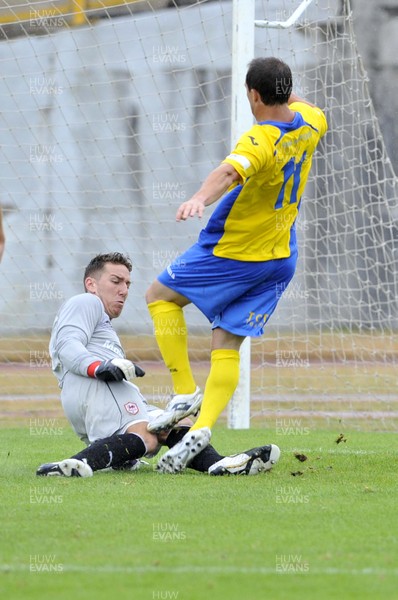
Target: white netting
{"x": 332, "y": 355}
{"x": 111, "y": 117}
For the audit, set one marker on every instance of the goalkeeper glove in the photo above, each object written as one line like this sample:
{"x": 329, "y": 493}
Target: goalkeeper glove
{"x": 116, "y": 369}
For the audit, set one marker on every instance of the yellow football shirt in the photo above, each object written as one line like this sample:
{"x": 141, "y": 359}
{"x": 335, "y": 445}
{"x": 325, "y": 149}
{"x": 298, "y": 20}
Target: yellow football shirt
{"x": 255, "y": 220}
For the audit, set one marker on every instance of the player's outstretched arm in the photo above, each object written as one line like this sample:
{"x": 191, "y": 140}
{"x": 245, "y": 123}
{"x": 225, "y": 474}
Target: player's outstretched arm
{"x": 214, "y": 186}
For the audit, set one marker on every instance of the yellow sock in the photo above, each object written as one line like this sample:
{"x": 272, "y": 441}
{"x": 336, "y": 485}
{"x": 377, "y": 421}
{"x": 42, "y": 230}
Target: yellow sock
{"x": 172, "y": 338}
{"x": 220, "y": 386}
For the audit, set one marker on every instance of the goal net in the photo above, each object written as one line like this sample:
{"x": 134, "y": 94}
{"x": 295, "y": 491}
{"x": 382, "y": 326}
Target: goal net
{"x": 111, "y": 117}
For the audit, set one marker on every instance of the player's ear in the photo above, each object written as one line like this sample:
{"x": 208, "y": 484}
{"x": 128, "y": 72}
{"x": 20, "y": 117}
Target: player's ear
{"x": 255, "y": 95}
{"x": 90, "y": 285}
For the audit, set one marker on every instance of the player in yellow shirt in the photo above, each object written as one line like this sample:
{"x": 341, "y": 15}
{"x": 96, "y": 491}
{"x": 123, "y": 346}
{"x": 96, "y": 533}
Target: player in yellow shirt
{"x": 244, "y": 256}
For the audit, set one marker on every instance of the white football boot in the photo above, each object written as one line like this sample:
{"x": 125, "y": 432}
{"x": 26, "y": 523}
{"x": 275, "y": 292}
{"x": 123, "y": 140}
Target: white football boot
{"x": 179, "y": 407}
{"x": 250, "y": 462}
{"x": 180, "y": 455}
{"x": 71, "y": 467}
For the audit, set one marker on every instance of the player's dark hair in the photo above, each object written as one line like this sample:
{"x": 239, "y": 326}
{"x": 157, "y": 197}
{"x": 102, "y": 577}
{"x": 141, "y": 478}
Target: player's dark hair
{"x": 271, "y": 78}
{"x": 98, "y": 263}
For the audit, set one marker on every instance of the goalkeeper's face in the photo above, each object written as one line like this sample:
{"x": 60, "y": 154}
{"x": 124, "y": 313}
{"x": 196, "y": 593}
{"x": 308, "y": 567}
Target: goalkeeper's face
{"x": 111, "y": 285}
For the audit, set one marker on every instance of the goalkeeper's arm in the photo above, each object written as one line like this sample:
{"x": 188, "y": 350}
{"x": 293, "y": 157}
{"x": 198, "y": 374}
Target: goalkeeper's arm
{"x": 76, "y": 358}
{"x": 115, "y": 369}
{"x": 74, "y": 328}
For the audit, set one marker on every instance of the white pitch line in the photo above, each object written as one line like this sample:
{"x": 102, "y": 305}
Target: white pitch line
{"x": 112, "y": 569}
{"x": 332, "y": 451}
{"x": 324, "y": 397}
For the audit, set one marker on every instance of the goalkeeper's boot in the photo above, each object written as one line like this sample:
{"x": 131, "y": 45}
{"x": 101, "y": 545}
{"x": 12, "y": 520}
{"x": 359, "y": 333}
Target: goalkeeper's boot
{"x": 250, "y": 462}
{"x": 179, "y": 407}
{"x": 71, "y": 467}
{"x": 180, "y": 455}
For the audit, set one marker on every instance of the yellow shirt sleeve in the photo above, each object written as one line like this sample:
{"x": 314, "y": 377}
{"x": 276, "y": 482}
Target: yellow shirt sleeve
{"x": 312, "y": 114}
{"x": 252, "y": 153}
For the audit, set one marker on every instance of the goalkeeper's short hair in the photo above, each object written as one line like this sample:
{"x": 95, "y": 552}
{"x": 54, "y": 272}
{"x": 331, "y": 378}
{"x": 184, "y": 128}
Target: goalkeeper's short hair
{"x": 97, "y": 263}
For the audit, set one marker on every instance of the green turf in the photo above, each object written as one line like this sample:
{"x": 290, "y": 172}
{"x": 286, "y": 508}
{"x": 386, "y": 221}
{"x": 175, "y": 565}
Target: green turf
{"x": 328, "y": 533}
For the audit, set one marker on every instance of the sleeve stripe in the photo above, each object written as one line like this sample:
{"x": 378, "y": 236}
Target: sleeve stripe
{"x": 241, "y": 160}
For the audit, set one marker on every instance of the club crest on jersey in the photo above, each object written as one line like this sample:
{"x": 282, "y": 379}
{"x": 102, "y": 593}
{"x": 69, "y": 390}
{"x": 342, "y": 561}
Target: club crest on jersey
{"x": 132, "y": 408}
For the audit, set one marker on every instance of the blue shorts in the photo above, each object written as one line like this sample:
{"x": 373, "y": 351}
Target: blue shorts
{"x": 237, "y": 296}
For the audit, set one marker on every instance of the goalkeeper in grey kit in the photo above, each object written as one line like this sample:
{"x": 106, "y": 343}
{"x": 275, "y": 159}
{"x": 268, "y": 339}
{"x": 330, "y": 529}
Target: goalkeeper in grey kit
{"x": 105, "y": 409}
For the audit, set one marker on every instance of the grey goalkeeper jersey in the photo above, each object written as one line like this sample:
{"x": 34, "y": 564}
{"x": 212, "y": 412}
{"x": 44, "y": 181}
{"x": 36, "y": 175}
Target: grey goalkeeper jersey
{"x": 82, "y": 333}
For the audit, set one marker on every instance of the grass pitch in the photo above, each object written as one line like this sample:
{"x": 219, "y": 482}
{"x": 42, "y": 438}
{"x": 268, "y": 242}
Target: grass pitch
{"x": 321, "y": 528}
